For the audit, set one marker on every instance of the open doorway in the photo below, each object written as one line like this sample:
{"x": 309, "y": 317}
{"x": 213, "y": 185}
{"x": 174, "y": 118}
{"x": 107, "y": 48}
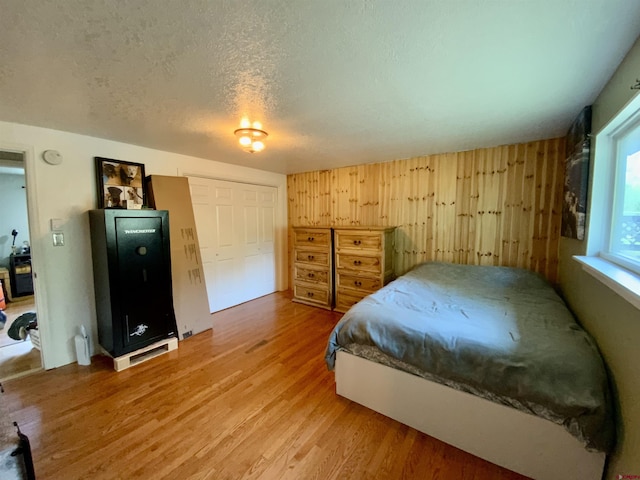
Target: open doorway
{"x": 19, "y": 339}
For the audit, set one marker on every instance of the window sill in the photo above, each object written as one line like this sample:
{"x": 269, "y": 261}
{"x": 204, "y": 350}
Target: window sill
{"x": 623, "y": 282}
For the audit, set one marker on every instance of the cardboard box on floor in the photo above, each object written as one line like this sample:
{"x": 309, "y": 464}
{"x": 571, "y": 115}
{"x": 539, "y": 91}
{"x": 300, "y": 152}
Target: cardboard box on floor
{"x": 189, "y": 289}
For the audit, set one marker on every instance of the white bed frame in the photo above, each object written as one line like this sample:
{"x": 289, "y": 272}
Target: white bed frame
{"x": 518, "y": 441}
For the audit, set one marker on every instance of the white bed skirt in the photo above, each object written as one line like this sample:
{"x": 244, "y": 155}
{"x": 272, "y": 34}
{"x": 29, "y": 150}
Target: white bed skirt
{"x": 518, "y": 441}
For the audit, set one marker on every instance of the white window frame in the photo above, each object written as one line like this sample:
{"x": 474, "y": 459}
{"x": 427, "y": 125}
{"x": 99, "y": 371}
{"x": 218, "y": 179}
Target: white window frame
{"x": 618, "y": 161}
{"x": 615, "y": 271}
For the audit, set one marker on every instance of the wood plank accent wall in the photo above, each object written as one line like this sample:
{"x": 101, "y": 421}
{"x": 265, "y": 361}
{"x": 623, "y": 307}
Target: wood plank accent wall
{"x": 491, "y": 206}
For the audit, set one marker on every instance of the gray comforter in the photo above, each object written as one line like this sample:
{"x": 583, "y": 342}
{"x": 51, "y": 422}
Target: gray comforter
{"x": 501, "y": 333}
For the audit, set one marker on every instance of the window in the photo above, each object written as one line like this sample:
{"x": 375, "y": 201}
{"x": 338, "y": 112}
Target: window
{"x": 613, "y": 240}
{"x": 624, "y": 242}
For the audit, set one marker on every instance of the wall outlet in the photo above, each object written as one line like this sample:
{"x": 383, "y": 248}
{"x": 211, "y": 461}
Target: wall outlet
{"x": 187, "y": 334}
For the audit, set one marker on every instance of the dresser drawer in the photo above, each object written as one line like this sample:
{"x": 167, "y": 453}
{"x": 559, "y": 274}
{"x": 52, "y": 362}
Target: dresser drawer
{"x": 358, "y": 240}
{"x": 312, "y": 238}
{"x": 308, "y": 274}
{"x": 311, "y": 294}
{"x": 366, "y": 284}
{"x": 358, "y": 263}
{"x": 345, "y": 299}
{"x": 313, "y": 257}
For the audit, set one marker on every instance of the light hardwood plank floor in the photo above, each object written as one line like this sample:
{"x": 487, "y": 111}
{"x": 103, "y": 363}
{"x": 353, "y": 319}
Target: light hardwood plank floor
{"x": 250, "y": 399}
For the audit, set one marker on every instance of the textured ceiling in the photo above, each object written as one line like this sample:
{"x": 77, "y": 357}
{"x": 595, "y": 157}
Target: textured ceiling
{"x": 333, "y": 82}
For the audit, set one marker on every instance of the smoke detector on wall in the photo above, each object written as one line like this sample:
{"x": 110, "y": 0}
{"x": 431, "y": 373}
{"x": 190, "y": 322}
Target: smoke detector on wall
{"x": 52, "y": 157}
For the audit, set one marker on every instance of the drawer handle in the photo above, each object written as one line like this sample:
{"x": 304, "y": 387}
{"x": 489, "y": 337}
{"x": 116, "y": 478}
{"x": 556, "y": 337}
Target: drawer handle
{"x": 357, "y": 283}
{"x": 310, "y": 239}
{"x": 357, "y": 242}
{"x": 310, "y": 257}
{"x": 309, "y": 294}
{"x": 357, "y": 262}
{"x": 310, "y": 275}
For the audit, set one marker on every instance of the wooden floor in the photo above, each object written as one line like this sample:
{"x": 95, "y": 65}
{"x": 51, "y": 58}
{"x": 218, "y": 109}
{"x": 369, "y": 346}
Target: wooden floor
{"x": 250, "y": 399}
{"x": 19, "y": 360}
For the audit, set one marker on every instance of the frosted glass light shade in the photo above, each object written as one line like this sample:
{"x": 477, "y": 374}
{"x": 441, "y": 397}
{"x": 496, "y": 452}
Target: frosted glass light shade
{"x": 251, "y": 138}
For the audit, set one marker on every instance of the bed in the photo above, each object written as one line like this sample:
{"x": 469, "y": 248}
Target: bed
{"x": 488, "y": 359}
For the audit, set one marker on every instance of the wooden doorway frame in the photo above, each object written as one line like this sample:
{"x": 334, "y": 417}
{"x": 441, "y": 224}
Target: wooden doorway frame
{"x": 37, "y": 254}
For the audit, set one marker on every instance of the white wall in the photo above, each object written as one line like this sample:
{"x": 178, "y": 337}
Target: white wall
{"x": 64, "y": 275}
{"x": 611, "y": 320}
{"x": 13, "y": 202}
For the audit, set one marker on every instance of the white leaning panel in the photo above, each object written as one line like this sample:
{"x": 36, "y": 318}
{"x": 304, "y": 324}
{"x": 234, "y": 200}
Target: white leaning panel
{"x": 518, "y": 441}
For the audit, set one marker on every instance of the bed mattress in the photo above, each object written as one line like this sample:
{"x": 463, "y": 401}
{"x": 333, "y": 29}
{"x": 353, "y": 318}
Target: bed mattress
{"x": 498, "y": 332}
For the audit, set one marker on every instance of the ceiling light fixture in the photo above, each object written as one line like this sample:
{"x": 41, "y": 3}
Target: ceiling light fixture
{"x": 251, "y": 136}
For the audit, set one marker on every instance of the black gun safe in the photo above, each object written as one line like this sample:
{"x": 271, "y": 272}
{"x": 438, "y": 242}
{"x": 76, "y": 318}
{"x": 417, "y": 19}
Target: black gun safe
{"x": 132, "y": 277}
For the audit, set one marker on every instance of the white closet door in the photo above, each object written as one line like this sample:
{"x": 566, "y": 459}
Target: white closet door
{"x": 206, "y": 228}
{"x": 236, "y": 229}
{"x": 267, "y": 229}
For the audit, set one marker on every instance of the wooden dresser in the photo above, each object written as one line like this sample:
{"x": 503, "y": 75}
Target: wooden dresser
{"x": 363, "y": 262}
{"x": 313, "y": 266}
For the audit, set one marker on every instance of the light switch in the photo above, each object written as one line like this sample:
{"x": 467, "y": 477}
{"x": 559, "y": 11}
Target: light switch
{"x": 58, "y": 239}
{"x": 56, "y": 224}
